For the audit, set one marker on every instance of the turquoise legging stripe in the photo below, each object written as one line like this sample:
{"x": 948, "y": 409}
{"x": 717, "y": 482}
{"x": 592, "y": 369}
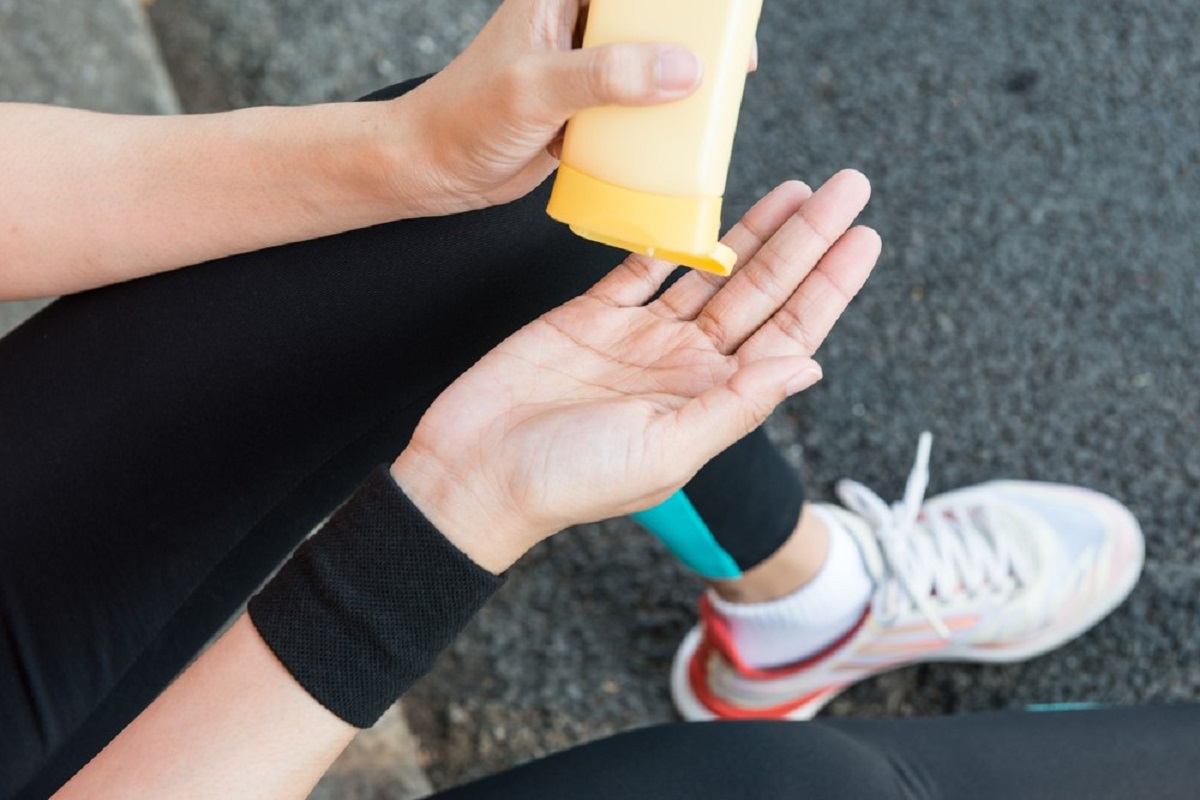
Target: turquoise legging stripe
{"x": 680, "y": 527}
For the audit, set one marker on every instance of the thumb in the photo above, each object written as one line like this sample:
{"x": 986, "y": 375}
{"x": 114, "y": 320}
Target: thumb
{"x": 715, "y": 420}
{"x": 617, "y": 74}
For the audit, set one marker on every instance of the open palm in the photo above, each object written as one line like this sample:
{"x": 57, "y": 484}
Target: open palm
{"x": 612, "y": 401}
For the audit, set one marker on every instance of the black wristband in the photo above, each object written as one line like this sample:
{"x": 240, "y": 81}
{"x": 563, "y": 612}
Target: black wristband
{"x": 364, "y": 606}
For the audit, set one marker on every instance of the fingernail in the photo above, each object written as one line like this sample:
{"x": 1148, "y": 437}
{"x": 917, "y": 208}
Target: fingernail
{"x": 678, "y": 69}
{"x": 805, "y": 379}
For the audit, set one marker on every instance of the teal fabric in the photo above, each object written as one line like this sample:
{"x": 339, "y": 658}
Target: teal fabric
{"x": 1053, "y": 708}
{"x": 680, "y": 527}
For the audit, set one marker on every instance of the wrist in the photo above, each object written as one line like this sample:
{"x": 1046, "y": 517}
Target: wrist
{"x": 414, "y": 155}
{"x": 483, "y": 529}
{"x": 344, "y": 165}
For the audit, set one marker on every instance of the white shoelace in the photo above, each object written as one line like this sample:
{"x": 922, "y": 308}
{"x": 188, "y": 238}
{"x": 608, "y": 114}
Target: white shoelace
{"x": 933, "y": 560}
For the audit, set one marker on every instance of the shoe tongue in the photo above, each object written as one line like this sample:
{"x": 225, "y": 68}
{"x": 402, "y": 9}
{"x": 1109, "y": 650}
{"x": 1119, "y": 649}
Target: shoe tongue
{"x": 860, "y": 532}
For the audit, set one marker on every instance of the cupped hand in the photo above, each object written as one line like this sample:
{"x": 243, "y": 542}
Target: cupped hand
{"x": 612, "y": 401}
{"x": 494, "y": 115}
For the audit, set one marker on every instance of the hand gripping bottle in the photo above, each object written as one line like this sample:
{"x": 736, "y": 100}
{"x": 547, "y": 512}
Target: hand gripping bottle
{"x": 651, "y": 179}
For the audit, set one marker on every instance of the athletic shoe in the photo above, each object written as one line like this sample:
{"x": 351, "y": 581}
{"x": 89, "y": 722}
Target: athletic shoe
{"x": 995, "y": 573}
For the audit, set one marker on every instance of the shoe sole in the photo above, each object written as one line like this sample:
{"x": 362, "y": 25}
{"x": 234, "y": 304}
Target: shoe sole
{"x": 693, "y": 710}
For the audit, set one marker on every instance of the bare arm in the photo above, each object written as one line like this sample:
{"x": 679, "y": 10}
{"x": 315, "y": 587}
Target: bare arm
{"x": 88, "y": 199}
{"x": 91, "y": 199}
{"x": 235, "y": 725}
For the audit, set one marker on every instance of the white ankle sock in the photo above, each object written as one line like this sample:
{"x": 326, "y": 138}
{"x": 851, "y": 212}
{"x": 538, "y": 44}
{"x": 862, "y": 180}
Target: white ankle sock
{"x": 810, "y": 619}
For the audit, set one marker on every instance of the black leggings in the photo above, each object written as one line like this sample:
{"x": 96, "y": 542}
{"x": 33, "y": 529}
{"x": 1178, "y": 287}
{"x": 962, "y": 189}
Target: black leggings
{"x": 1118, "y": 754}
{"x": 165, "y": 443}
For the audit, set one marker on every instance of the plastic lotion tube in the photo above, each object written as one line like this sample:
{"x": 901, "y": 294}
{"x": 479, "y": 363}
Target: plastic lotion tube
{"x": 651, "y": 179}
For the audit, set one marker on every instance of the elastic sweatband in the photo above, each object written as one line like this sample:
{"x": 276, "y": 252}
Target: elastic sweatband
{"x": 365, "y": 605}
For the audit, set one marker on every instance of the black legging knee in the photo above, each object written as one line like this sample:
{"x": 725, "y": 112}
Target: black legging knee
{"x": 1116, "y": 754}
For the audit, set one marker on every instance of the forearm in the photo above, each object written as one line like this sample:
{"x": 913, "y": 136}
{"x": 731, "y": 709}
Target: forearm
{"x": 91, "y": 199}
{"x": 234, "y": 725}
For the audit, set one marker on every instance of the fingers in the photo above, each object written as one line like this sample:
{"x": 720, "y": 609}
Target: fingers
{"x": 759, "y": 289}
{"x": 802, "y": 324}
{"x": 689, "y": 294}
{"x": 568, "y": 81}
{"x": 635, "y": 281}
{"x": 710, "y": 423}
{"x": 639, "y": 278}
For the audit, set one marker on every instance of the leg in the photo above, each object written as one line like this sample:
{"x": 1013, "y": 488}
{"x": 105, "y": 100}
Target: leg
{"x": 166, "y": 442}
{"x": 734, "y": 516}
{"x": 1114, "y": 754}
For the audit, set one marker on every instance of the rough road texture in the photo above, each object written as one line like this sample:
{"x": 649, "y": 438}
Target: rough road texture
{"x": 1037, "y": 186}
{"x": 233, "y": 53}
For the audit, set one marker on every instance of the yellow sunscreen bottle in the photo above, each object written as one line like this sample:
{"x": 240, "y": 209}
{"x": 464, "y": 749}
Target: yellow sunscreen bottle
{"x": 651, "y": 179}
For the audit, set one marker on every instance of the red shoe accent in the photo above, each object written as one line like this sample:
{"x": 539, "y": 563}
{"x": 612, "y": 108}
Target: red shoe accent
{"x": 717, "y": 638}
{"x": 698, "y": 677}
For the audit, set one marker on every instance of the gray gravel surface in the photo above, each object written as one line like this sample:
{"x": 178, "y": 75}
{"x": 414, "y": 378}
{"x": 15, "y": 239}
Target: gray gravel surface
{"x": 97, "y": 54}
{"x": 1037, "y": 174}
{"x": 234, "y": 53}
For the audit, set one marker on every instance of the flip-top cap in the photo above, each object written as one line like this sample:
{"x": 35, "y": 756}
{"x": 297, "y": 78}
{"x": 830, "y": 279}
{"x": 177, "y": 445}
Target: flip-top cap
{"x": 679, "y": 228}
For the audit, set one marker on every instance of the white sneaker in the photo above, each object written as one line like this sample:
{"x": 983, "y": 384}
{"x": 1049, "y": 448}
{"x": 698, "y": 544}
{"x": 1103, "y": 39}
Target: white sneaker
{"x": 1000, "y": 572}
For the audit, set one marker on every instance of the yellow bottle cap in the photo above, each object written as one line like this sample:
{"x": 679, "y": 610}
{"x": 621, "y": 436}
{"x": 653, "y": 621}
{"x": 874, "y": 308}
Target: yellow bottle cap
{"x": 679, "y": 228}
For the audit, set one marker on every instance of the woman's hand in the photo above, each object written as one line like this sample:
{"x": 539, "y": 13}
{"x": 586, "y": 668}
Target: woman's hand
{"x": 609, "y": 403}
{"x": 492, "y": 114}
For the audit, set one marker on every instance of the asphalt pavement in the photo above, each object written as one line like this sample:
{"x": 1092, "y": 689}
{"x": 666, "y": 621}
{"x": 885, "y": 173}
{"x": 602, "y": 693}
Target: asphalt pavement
{"x": 1037, "y": 184}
